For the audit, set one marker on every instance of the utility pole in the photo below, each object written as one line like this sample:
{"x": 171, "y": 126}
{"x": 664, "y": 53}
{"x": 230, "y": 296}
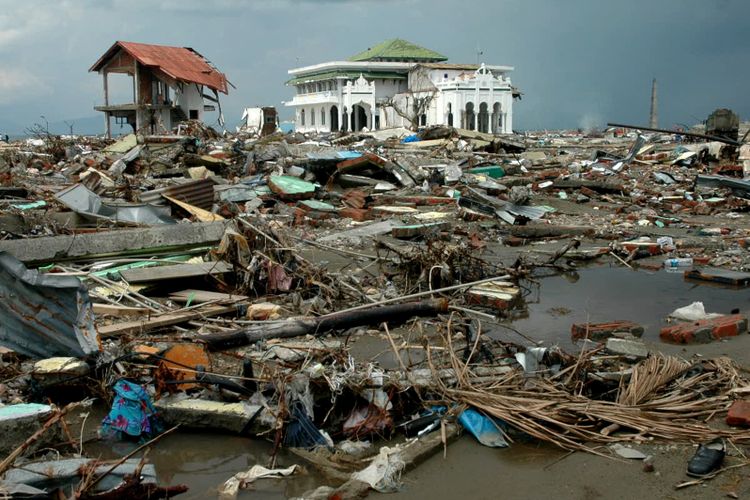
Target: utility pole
{"x": 653, "y": 120}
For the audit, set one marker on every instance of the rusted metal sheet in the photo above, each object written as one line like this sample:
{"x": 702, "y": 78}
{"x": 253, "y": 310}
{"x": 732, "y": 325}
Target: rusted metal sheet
{"x": 44, "y": 315}
{"x": 198, "y": 193}
{"x": 179, "y": 363}
{"x": 181, "y": 63}
{"x": 90, "y": 205}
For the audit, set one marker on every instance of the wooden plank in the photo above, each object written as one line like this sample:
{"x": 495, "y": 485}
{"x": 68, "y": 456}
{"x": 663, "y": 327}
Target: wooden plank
{"x": 177, "y": 271}
{"x": 199, "y": 213}
{"x": 200, "y": 296}
{"x": 169, "y": 319}
{"x": 113, "y": 310}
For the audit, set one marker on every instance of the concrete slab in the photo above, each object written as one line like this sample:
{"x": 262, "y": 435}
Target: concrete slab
{"x": 51, "y": 475}
{"x": 57, "y": 370}
{"x": 627, "y": 347}
{"x": 19, "y": 422}
{"x": 363, "y": 231}
{"x": 125, "y": 241}
{"x": 215, "y": 415}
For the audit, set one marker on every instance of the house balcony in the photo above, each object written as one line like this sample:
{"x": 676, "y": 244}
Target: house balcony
{"x": 327, "y": 97}
{"x": 114, "y": 108}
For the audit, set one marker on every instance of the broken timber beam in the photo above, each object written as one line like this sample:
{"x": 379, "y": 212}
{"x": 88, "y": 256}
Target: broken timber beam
{"x": 168, "y": 319}
{"x": 397, "y": 313}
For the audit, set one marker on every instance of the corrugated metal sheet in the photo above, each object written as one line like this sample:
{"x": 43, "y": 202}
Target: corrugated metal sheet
{"x": 89, "y": 205}
{"x": 44, "y": 315}
{"x": 181, "y": 63}
{"x": 198, "y": 193}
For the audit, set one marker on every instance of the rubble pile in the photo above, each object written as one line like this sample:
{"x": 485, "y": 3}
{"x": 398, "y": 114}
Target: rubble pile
{"x": 225, "y": 281}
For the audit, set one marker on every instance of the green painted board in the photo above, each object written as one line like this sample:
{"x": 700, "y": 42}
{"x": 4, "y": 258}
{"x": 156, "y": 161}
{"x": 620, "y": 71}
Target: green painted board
{"x": 494, "y": 171}
{"x": 318, "y": 205}
{"x": 288, "y": 187}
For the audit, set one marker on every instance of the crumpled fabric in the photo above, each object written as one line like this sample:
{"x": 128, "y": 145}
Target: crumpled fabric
{"x": 231, "y": 486}
{"x": 132, "y": 412}
{"x": 384, "y": 473}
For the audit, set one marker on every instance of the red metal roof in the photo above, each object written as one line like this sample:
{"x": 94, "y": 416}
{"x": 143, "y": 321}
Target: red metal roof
{"x": 181, "y": 63}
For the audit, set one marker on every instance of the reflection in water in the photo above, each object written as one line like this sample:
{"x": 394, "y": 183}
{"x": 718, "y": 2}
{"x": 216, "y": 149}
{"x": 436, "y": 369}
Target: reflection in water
{"x": 608, "y": 294}
{"x": 204, "y": 461}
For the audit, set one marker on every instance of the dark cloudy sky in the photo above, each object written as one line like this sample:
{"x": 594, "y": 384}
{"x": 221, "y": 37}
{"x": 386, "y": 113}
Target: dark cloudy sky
{"x": 578, "y": 62}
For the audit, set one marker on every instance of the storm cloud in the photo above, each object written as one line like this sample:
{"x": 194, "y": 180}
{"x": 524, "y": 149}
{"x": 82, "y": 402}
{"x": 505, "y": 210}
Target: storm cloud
{"x": 578, "y": 62}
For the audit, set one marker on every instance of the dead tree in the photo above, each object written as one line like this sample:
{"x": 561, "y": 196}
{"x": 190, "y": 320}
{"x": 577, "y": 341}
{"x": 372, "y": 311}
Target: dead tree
{"x": 410, "y": 105}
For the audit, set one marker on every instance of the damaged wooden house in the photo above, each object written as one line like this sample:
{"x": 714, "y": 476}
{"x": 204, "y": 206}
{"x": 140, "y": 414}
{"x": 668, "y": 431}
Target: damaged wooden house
{"x": 169, "y": 85}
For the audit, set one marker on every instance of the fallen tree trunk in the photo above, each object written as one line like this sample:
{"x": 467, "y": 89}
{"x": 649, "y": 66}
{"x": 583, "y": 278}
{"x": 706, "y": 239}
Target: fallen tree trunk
{"x": 550, "y": 231}
{"x": 397, "y": 313}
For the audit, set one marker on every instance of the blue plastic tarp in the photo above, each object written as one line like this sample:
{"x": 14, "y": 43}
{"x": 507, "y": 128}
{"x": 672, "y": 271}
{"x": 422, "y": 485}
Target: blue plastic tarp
{"x": 486, "y": 430}
{"x": 410, "y": 138}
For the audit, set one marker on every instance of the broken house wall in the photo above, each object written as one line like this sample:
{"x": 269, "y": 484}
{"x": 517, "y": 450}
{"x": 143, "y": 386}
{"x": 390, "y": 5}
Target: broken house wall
{"x": 190, "y": 98}
{"x": 156, "y": 115}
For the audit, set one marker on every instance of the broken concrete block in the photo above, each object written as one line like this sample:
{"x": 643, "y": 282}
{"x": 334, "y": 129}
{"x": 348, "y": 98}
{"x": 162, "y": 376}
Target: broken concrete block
{"x": 18, "y": 422}
{"x": 627, "y": 347}
{"x": 602, "y": 331}
{"x": 56, "y": 370}
{"x": 705, "y": 331}
{"x": 201, "y": 414}
{"x": 500, "y": 295}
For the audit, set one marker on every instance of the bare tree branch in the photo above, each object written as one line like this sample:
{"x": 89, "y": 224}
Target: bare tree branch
{"x": 410, "y": 105}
